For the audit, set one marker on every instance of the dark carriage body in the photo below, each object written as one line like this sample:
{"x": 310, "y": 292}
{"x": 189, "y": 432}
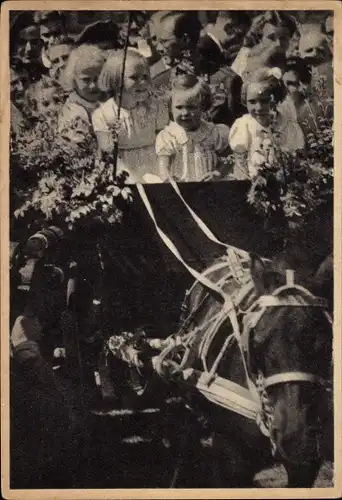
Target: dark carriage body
{"x": 143, "y": 283}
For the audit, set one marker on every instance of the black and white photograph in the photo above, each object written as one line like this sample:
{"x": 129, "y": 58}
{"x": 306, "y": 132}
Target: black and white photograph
{"x": 171, "y": 249}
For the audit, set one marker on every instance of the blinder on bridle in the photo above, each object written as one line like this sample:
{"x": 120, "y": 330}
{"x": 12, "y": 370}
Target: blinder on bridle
{"x": 289, "y": 295}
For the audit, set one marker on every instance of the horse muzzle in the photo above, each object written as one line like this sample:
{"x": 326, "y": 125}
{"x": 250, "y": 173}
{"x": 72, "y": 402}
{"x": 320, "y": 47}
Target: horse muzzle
{"x": 296, "y": 434}
{"x": 296, "y": 449}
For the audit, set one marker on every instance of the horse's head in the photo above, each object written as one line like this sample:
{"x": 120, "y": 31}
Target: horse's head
{"x": 291, "y": 346}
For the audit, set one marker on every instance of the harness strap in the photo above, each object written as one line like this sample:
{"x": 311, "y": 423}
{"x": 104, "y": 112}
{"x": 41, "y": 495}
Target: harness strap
{"x": 220, "y": 356}
{"x": 223, "y": 392}
{"x": 245, "y": 289}
{"x": 283, "y": 378}
{"x": 215, "y": 267}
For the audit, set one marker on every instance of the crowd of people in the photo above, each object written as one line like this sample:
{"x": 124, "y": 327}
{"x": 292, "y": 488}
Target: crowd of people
{"x": 182, "y": 96}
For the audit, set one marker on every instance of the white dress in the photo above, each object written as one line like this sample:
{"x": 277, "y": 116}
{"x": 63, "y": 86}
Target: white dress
{"x": 193, "y": 154}
{"x": 255, "y": 143}
{"x": 136, "y": 134}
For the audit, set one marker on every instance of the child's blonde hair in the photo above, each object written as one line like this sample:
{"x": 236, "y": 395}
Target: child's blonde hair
{"x": 110, "y": 77}
{"x": 271, "y": 77}
{"x": 84, "y": 56}
{"x": 194, "y": 86}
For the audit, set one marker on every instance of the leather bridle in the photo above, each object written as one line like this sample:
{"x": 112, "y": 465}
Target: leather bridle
{"x": 282, "y": 297}
{"x": 285, "y": 296}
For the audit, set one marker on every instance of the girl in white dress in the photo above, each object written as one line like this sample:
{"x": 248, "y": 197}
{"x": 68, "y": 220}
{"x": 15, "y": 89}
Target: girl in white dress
{"x": 254, "y": 136}
{"x": 80, "y": 79}
{"x": 141, "y": 116}
{"x": 189, "y": 147}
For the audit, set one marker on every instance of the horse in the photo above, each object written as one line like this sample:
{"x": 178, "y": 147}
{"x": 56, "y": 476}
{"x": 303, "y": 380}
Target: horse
{"x": 287, "y": 352}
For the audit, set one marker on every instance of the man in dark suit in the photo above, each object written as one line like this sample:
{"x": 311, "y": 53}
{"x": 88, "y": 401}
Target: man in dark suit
{"x": 175, "y": 35}
{"x": 222, "y": 41}
{"x": 216, "y": 51}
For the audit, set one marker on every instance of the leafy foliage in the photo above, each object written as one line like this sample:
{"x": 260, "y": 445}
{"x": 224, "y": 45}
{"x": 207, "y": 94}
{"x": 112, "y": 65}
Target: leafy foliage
{"x": 67, "y": 182}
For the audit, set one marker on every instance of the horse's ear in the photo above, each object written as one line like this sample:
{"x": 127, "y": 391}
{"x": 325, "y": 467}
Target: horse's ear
{"x": 258, "y": 273}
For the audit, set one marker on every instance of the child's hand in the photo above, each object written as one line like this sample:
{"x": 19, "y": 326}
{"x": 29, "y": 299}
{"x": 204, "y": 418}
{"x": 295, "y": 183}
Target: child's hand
{"x": 210, "y": 176}
{"x": 151, "y": 179}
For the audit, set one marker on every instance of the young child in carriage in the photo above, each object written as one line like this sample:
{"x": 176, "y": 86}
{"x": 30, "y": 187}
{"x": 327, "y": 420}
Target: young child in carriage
{"x": 141, "y": 116}
{"x": 189, "y": 147}
{"x": 254, "y": 137}
{"x": 80, "y": 79}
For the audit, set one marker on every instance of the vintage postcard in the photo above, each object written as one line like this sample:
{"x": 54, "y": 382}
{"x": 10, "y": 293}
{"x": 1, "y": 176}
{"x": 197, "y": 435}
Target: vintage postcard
{"x": 171, "y": 249}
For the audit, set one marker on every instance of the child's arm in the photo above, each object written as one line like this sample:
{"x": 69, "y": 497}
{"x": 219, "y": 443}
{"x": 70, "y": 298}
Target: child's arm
{"x": 239, "y": 143}
{"x": 164, "y": 163}
{"x": 165, "y": 150}
{"x": 105, "y": 141}
{"x": 104, "y": 135}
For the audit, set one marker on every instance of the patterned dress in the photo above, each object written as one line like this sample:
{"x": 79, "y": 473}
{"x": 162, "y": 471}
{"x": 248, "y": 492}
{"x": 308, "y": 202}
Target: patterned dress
{"x": 136, "y": 131}
{"x": 192, "y": 154}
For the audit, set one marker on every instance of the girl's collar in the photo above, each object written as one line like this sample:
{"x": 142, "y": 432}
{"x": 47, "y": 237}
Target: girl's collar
{"x": 184, "y": 136}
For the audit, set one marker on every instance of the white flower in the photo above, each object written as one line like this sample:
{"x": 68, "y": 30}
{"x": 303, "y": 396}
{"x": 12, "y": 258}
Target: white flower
{"x": 276, "y": 72}
{"x": 126, "y": 193}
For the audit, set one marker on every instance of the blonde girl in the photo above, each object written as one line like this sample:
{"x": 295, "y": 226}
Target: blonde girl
{"x": 254, "y": 137}
{"x": 189, "y": 147}
{"x": 80, "y": 79}
{"x": 141, "y": 116}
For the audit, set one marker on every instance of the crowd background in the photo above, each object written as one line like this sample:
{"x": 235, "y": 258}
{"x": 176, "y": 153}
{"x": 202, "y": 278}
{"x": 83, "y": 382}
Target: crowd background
{"x": 198, "y": 88}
